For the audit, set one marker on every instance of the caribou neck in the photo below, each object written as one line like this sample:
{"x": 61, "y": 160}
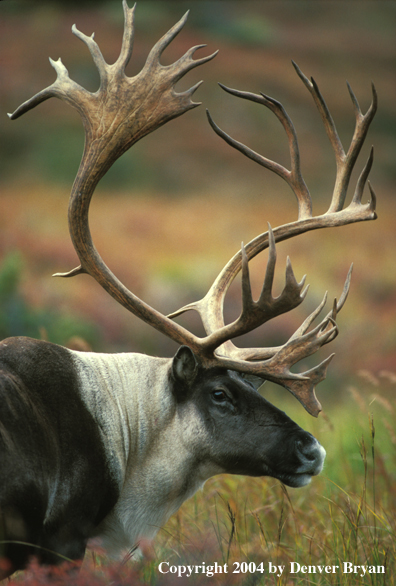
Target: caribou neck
{"x": 122, "y": 392}
{"x": 156, "y": 458}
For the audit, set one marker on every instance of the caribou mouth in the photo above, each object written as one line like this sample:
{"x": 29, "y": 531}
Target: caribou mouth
{"x": 311, "y": 456}
{"x": 295, "y": 480}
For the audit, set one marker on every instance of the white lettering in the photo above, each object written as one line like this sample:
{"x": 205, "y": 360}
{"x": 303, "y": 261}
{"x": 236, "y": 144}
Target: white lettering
{"x": 294, "y": 567}
{"x": 160, "y": 567}
{"x": 187, "y": 571}
{"x": 273, "y": 569}
{"x": 181, "y": 570}
{"x": 349, "y": 568}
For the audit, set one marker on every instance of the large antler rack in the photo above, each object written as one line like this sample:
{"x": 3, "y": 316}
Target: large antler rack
{"x": 301, "y": 344}
{"x": 125, "y": 109}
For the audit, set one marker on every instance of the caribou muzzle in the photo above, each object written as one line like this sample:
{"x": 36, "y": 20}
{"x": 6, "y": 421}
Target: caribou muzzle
{"x": 309, "y": 456}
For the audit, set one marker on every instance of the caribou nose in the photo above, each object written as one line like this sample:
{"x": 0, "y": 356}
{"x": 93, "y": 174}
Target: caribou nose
{"x": 311, "y": 454}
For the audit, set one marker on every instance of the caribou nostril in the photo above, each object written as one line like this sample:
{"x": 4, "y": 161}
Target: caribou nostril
{"x": 311, "y": 454}
{"x": 309, "y": 449}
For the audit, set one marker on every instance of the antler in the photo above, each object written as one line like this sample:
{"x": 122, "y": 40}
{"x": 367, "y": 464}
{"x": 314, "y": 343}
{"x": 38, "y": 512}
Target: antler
{"x": 124, "y": 110}
{"x": 120, "y": 113}
{"x": 301, "y": 344}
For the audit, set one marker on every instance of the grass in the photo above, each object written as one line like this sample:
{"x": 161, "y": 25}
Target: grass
{"x": 347, "y": 514}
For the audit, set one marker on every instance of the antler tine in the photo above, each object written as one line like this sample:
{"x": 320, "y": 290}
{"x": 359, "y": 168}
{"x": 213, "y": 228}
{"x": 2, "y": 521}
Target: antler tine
{"x": 127, "y": 37}
{"x": 256, "y": 313}
{"x": 185, "y": 63}
{"x": 345, "y": 161}
{"x": 68, "y": 90}
{"x": 362, "y": 125}
{"x": 293, "y": 177}
{"x": 343, "y": 297}
{"x": 96, "y": 53}
{"x": 332, "y": 315}
{"x": 357, "y": 198}
{"x": 54, "y": 90}
{"x": 323, "y": 111}
{"x": 160, "y": 46}
{"x": 264, "y": 353}
{"x": 330, "y": 319}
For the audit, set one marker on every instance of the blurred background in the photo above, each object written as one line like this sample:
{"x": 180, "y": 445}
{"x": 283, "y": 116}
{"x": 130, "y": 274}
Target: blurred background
{"x": 174, "y": 209}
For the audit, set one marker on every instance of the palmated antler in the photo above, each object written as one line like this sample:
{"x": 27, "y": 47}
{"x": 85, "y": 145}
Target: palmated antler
{"x": 120, "y": 113}
{"x": 124, "y": 110}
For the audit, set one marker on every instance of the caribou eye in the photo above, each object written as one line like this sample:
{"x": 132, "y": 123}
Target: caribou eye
{"x": 219, "y": 396}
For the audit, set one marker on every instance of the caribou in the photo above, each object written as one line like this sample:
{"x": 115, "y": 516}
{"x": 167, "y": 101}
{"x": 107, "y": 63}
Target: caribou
{"x": 109, "y": 446}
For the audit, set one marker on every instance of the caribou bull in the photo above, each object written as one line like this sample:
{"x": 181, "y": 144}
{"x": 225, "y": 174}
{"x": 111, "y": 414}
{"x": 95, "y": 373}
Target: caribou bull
{"x": 110, "y": 445}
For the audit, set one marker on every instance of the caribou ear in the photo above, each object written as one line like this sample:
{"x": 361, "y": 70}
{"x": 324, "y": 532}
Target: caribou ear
{"x": 256, "y": 381}
{"x": 185, "y": 365}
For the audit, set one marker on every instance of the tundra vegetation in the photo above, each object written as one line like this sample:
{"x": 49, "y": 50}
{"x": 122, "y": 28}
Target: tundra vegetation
{"x": 348, "y": 514}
